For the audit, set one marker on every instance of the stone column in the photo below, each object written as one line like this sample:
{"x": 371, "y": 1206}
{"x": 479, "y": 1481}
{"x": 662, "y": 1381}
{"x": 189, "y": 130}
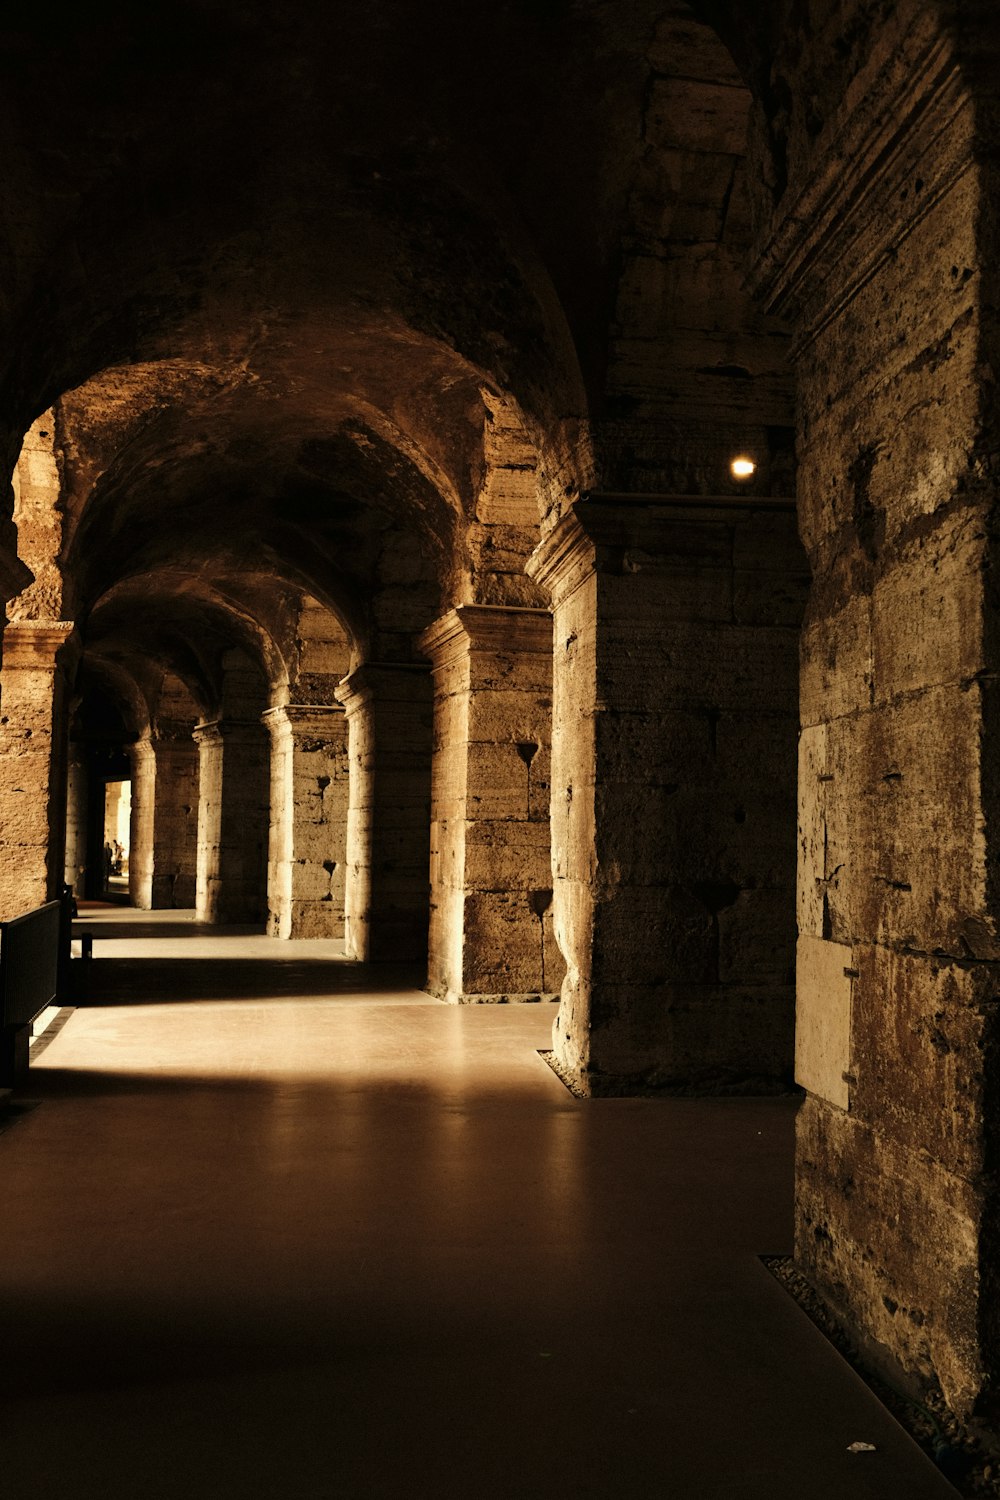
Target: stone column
{"x": 310, "y": 784}
{"x": 673, "y": 790}
{"x": 389, "y": 716}
{"x": 77, "y": 796}
{"x": 163, "y": 858}
{"x": 175, "y": 824}
{"x": 232, "y": 822}
{"x": 142, "y": 821}
{"x": 38, "y": 658}
{"x": 491, "y": 935}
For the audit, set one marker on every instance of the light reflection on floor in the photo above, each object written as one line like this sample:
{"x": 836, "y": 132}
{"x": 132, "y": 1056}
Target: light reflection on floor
{"x": 367, "y": 1245}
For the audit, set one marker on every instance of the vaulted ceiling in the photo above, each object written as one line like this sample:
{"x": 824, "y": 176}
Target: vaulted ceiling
{"x": 275, "y": 265}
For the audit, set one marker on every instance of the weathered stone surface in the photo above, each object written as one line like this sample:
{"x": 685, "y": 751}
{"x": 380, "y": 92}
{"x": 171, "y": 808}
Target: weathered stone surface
{"x": 824, "y": 987}
{"x": 491, "y": 881}
{"x": 175, "y": 828}
{"x": 142, "y": 834}
{"x": 889, "y": 1231}
{"x": 898, "y": 797}
{"x": 307, "y": 859}
{"x": 38, "y": 655}
{"x": 923, "y": 1031}
{"x": 163, "y": 854}
{"x": 40, "y": 517}
{"x": 77, "y": 791}
{"x": 40, "y": 660}
{"x": 672, "y": 859}
{"x": 232, "y": 822}
{"x": 388, "y": 712}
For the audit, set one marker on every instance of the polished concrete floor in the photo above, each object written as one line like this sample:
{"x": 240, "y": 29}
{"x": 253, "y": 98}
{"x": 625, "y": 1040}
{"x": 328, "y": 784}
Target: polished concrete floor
{"x": 354, "y": 1243}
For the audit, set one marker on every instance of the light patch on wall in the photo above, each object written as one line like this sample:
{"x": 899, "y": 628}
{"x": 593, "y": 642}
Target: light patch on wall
{"x": 117, "y": 823}
{"x": 823, "y": 992}
{"x": 743, "y": 467}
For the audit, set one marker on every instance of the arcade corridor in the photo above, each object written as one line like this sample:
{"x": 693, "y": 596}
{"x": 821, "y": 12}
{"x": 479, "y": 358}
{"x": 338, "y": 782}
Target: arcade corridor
{"x": 365, "y": 1245}
{"x": 510, "y": 490}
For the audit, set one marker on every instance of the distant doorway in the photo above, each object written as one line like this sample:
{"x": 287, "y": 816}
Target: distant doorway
{"x": 117, "y": 823}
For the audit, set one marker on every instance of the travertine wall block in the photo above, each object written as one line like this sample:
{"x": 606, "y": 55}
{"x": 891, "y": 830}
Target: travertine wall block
{"x": 142, "y": 758}
{"x": 175, "y": 828}
{"x": 491, "y": 933}
{"x": 825, "y": 984}
{"x": 911, "y": 1265}
{"x": 38, "y": 657}
{"x": 310, "y": 781}
{"x": 232, "y": 822}
{"x": 389, "y": 738}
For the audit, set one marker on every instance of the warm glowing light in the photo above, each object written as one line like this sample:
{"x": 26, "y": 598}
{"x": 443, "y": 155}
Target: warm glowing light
{"x": 743, "y": 468}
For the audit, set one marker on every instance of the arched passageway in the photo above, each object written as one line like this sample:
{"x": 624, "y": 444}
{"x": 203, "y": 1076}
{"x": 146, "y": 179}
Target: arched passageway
{"x": 372, "y": 460}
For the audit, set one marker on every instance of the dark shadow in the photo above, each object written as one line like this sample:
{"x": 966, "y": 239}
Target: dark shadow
{"x": 178, "y": 927}
{"x": 159, "y": 981}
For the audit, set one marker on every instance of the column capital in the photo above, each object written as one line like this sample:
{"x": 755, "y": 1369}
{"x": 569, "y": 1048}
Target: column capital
{"x": 208, "y": 733}
{"x": 39, "y": 645}
{"x": 169, "y": 733}
{"x": 381, "y": 681}
{"x": 214, "y": 731}
{"x": 487, "y": 627}
{"x": 600, "y": 530}
{"x": 303, "y": 718}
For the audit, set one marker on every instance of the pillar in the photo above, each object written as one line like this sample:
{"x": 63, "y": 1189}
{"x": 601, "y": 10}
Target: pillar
{"x": 163, "y": 858}
{"x": 175, "y": 823}
{"x": 77, "y": 797}
{"x": 388, "y": 709}
{"x": 38, "y": 657}
{"x": 142, "y": 819}
{"x": 491, "y": 936}
{"x": 232, "y": 821}
{"x": 310, "y": 783}
{"x": 673, "y": 787}
{"x": 898, "y": 1027}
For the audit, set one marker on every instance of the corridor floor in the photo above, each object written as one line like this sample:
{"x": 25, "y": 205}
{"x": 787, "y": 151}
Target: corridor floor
{"x": 360, "y": 1244}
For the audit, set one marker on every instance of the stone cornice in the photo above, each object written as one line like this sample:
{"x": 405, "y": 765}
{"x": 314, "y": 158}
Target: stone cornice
{"x": 172, "y": 733}
{"x": 598, "y": 529}
{"x": 826, "y": 243}
{"x": 40, "y": 645}
{"x": 305, "y": 710}
{"x": 487, "y": 627}
{"x": 390, "y": 680}
{"x": 307, "y": 718}
{"x": 214, "y": 730}
{"x": 565, "y": 559}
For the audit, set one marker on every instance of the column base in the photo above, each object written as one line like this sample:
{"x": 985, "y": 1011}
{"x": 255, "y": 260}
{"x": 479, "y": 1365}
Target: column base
{"x": 307, "y": 919}
{"x": 591, "y": 1085}
{"x": 460, "y": 997}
